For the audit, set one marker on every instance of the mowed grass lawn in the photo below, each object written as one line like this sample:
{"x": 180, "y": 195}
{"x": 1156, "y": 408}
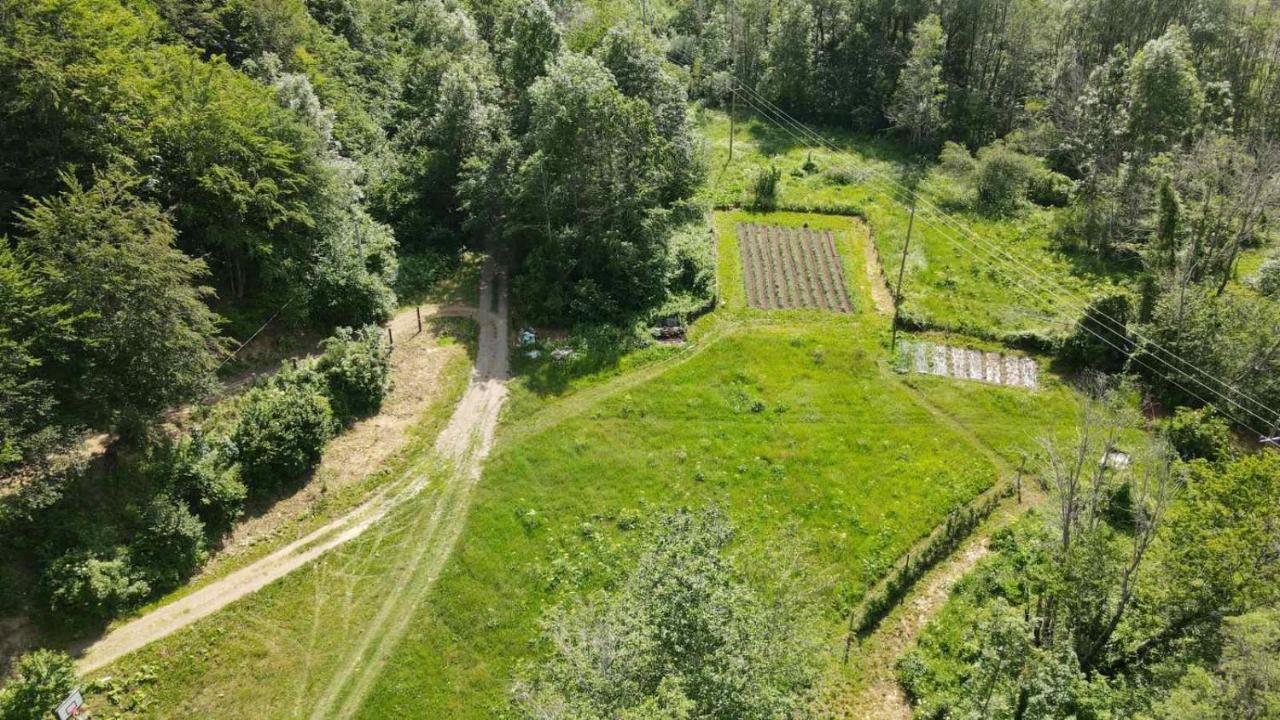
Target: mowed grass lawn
{"x": 950, "y": 283}
{"x": 792, "y": 421}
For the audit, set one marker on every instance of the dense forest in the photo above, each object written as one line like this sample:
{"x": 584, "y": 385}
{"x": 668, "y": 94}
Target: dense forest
{"x": 176, "y": 173}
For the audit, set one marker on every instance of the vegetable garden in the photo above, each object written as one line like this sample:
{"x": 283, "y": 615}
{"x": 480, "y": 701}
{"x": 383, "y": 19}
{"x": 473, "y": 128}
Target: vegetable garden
{"x": 785, "y": 268}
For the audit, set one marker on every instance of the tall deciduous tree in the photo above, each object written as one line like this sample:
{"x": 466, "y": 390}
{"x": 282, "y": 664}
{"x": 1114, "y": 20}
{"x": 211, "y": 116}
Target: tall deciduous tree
{"x": 918, "y": 101}
{"x": 144, "y": 338}
{"x": 1165, "y": 94}
{"x": 589, "y": 197}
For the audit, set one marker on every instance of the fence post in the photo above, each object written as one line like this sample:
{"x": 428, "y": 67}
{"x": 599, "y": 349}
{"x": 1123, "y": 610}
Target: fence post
{"x": 391, "y": 342}
{"x": 418, "y": 310}
{"x": 1021, "y": 469}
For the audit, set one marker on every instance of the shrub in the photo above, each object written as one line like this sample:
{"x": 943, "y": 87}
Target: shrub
{"x": 1198, "y": 434}
{"x": 843, "y": 175}
{"x": 1050, "y": 189}
{"x": 765, "y": 189}
{"x": 84, "y": 587}
{"x": 41, "y": 679}
{"x": 282, "y": 431}
{"x": 1002, "y": 175}
{"x": 1100, "y": 339}
{"x": 956, "y": 161}
{"x": 345, "y": 293}
{"x": 206, "y": 482}
{"x": 420, "y": 272}
{"x": 1267, "y": 281}
{"x": 357, "y": 371}
{"x": 170, "y": 544}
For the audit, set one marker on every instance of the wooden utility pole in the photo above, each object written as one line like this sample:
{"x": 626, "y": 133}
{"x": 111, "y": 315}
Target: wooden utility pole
{"x": 902, "y": 268}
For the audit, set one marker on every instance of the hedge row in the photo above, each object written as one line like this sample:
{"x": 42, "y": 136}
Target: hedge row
{"x": 959, "y": 525}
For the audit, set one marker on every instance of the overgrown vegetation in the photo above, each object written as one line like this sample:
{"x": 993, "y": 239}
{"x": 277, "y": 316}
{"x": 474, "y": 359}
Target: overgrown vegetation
{"x": 1123, "y": 585}
{"x": 171, "y": 501}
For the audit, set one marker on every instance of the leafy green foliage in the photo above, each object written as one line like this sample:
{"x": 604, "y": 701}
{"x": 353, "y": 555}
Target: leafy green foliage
{"x": 1199, "y": 434}
{"x": 1165, "y": 94}
{"x": 917, "y": 106}
{"x": 204, "y": 478}
{"x": 171, "y": 543}
{"x": 41, "y": 679}
{"x": 589, "y": 195}
{"x": 357, "y": 369}
{"x": 139, "y": 335}
{"x": 1001, "y": 178}
{"x": 764, "y": 192}
{"x": 1244, "y": 681}
{"x": 90, "y": 588}
{"x": 1268, "y": 278}
{"x": 1226, "y": 336}
{"x": 282, "y": 430}
{"x": 1101, "y": 339}
{"x": 683, "y": 635}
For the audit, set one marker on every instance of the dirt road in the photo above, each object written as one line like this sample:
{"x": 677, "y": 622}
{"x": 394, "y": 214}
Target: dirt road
{"x": 464, "y": 443}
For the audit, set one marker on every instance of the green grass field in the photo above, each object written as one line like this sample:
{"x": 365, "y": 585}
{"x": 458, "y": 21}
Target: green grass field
{"x": 792, "y": 421}
{"x": 946, "y": 285}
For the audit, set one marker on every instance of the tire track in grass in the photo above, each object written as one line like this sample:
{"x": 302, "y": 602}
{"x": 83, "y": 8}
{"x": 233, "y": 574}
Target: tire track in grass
{"x": 462, "y": 446}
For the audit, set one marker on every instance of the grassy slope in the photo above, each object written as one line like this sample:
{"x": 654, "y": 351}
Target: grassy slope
{"x": 214, "y": 662}
{"x": 846, "y": 458}
{"x": 945, "y": 284}
{"x": 843, "y": 459}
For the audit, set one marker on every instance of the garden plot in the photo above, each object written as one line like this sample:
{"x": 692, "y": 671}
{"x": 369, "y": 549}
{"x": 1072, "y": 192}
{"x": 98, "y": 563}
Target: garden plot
{"x": 785, "y": 268}
{"x": 967, "y": 364}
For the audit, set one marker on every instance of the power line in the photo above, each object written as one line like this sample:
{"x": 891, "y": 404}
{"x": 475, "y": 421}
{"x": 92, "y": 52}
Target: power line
{"x": 994, "y": 254}
{"x": 997, "y": 254}
{"x": 227, "y": 359}
{"x": 1085, "y": 311}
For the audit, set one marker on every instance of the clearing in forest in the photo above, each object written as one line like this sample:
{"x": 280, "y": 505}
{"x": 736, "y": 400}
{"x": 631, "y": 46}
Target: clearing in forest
{"x": 785, "y": 268}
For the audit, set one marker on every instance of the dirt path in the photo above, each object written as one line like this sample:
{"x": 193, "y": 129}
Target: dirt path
{"x": 464, "y": 444}
{"x": 880, "y": 696}
{"x": 880, "y": 293}
{"x": 474, "y": 418}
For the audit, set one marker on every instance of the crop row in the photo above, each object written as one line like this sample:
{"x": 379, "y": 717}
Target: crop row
{"x": 792, "y": 268}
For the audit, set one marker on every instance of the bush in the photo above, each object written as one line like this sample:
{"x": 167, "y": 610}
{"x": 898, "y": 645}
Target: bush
{"x": 1100, "y": 339}
{"x": 1267, "y": 281}
{"x": 420, "y": 272}
{"x": 206, "y": 482}
{"x": 1199, "y": 434}
{"x": 170, "y": 544}
{"x": 843, "y": 175}
{"x": 1050, "y": 189}
{"x": 84, "y": 587}
{"x": 357, "y": 371}
{"x": 40, "y": 681}
{"x": 282, "y": 431}
{"x": 345, "y": 293}
{"x": 956, "y": 161}
{"x": 1002, "y": 176}
{"x": 765, "y": 189}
